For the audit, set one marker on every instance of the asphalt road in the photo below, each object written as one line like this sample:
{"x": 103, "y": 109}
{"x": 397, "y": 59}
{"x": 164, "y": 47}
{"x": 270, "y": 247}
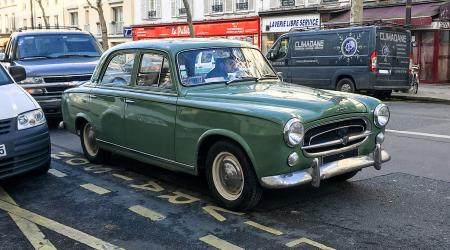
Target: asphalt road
{"x": 131, "y": 205}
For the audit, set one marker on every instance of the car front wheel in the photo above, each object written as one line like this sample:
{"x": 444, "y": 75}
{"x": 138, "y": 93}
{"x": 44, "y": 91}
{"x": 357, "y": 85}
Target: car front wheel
{"x": 346, "y": 85}
{"x": 91, "y": 149}
{"x": 231, "y": 177}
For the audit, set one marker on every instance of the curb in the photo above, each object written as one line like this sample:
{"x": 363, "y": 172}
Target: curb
{"x": 422, "y": 98}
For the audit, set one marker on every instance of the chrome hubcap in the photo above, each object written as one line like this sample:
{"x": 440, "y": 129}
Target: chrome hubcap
{"x": 90, "y": 142}
{"x": 346, "y": 88}
{"x": 228, "y": 176}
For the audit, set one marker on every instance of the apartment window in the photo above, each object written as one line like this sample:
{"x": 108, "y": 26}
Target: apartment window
{"x": 181, "y": 9}
{"x": 56, "y": 20}
{"x": 217, "y": 6}
{"x": 152, "y": 9}
{"x": 74, "y": 19}
{"x": 117, "y": 22}
{"x": 178, "y": 8}
{"x": 13, "y": 22}
{"x": 86, "y": 20}
{"x": 242, "y": 5}
{"x": 24, "y": 22}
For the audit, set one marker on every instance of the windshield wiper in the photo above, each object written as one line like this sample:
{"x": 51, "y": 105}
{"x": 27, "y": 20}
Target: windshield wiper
{"x": 242, "y": 79}
{"x": 73, "y": 55}
{"x": 33, "y": 57}
{"x": 267, "y": 76}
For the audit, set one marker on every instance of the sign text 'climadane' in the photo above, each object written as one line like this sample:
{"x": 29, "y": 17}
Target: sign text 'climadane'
{"x": 309, "y": 45}
{"x": 392, "y": 37}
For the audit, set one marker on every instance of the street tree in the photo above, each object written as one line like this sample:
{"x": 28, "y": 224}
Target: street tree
{"x": 43, "y": 13}
{"x": 99, "y": 8}
{"x": 189, "y": 17}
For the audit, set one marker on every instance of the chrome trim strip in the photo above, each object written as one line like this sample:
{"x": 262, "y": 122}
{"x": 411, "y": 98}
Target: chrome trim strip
{"x": 338, "y": 142}
{"x": 335, "y": 151}
{"x": 321, "y": 133}
{"x": 325, "y": 171}
{"x": 150, "y": 155}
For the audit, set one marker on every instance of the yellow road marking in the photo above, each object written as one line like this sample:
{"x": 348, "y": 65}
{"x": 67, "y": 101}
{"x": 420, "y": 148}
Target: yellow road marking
{"x": 59, "y": 155}
{"x": 148, "y": 213}
{"x": 219, "y": 243}
{"x": 56, "y": 173}
{"x": 309, "y": 242}
{"x": 29, "y": 229}
{"x": 149, "y": 186}
{"x": 264, "y": 228}
{"x": 123, "y": 177}
{"x": 95, "y": 188}
{"x": 175, "y": 199}
{"x": 212, "y": 210}
{"x": 72, "y": 233}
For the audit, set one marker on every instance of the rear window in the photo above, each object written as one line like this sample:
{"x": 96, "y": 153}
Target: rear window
{"x": 56, "y": 45}
{"x": 4, "y": 78}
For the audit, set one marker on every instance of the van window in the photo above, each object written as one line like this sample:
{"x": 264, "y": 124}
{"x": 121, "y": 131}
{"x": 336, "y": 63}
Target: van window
{"x": 280, "y": 49}
{"x": 4, "y": 78}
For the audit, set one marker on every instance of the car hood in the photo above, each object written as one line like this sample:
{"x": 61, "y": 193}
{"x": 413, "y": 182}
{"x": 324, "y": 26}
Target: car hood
{"x": 14, "y": 101}
{"x": 59, "y": 66}
{"x": 307, "y": 103}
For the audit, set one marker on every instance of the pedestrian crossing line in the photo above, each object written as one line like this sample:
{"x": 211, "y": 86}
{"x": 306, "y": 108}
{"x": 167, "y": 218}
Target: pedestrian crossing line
{"x": 95, "y": 188}
{"x": 57, "y": 227}
{"x": 148, "y": 213}
{"x": 297, "y": 242}
{"x": 56, "y": 173}
{"x": 219, "y": 243}
{"x": 263, "y": 228}
{"x": 29, "y": 229}
{"x": 123, "y": 177}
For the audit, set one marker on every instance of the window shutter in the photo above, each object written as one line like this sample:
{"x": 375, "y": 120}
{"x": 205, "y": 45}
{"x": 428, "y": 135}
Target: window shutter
{"x": 158, "y": 8}
{"x": 145, "y": 9}
{"x": 251, "y": 5}
{"x": 299, "y": 2}
{"x": 207, "y": 6}
{"x": 228, "y": 6}
{"x": 174, "y": 8}
{"x": 274, "y": 3}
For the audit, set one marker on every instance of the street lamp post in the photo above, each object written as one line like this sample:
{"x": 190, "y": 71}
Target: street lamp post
{"x": 408, "y": 14}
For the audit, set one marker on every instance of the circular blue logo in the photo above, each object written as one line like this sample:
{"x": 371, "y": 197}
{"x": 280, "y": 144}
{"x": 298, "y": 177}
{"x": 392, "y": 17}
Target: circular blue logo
{"x": 385, "y": 51}
{"x": 349, "y": 46}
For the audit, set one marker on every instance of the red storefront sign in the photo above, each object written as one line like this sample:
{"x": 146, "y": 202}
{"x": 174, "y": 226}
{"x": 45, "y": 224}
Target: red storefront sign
{"x": 202, "y": 29}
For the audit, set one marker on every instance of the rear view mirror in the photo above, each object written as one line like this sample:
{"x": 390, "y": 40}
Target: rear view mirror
{"x": 2, "y": 57}
{"x": 270, "y": 55}
{"x": 18, "y": 73}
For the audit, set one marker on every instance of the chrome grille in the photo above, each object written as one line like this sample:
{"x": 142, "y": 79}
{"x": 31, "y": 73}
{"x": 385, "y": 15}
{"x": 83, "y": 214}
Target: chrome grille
{"x": 336, "y": 137}
{"x": 5, "y": 126}
{"x": 71, "y": 78}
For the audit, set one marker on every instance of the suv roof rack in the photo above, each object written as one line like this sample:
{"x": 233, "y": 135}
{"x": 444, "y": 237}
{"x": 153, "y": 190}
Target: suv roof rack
{"x": 49, "y": 28}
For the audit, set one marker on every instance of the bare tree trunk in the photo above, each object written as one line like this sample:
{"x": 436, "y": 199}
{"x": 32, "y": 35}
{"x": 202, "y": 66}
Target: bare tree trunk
{"x": 99, "y": 8}
{"x": 189, "y": 18}
{"x": 43, "y": 13}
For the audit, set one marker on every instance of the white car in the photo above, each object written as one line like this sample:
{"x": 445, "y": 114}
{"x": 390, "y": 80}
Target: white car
{"x": 24, "y": 136}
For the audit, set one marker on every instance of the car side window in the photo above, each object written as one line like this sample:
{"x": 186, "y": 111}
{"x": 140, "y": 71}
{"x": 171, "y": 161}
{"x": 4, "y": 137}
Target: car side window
{"x": 119, "y": 69}
{"x": 154, "y": 71}
{"x": 280, "y": 50}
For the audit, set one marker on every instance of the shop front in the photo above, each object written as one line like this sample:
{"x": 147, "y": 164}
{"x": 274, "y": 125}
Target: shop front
{"x": 273, "y": 26}
{"x": 243, "y": 29}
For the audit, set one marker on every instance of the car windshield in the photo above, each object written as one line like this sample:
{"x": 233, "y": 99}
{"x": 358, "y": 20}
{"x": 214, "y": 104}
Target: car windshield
{"x": 219, "y": 65}
{"x": 4, "y": 78}
{"x": 57, "y": 45}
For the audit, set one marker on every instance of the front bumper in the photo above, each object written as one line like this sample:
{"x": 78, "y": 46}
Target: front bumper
{"x": 51, "y": 105}
{"x": 26, "y": 150}
{"x": 319, "y": 171}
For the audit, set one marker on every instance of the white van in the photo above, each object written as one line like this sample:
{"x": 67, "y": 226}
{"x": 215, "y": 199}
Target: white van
{"x": 24, "y": 136}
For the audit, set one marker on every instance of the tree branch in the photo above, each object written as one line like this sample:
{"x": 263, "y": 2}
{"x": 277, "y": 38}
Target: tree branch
{"x": 92, "y": 6}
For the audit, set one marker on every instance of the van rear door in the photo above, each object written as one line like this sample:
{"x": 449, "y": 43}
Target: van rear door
{"x": 393, "y": 47}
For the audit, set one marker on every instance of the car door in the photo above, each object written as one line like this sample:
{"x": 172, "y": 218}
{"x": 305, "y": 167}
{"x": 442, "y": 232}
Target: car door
{"x": 278, "y": 56}
{"x": 151, "y": 108}
{"x": 106, "y": 103}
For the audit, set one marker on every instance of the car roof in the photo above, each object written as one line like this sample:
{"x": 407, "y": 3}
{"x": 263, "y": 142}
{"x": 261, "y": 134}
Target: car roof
{"x": 176, "y": 45}
{"x": 49, "y": 32}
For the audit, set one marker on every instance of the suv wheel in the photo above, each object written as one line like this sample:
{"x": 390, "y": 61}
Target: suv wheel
{"x": 346, "y": 85}
{"x": 91, "y": 149}
{"x": 231, "y": 177}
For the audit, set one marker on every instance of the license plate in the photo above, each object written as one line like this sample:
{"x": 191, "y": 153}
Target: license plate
{"x": 2, "y": 150}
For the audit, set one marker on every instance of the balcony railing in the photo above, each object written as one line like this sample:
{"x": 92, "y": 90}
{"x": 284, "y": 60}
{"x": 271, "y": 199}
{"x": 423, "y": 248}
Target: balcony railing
{"x": 151, "y": 14}
{"x": 217, "y": 8}
{"x": 287, "y": 3}
{"x": 182, "y": 11}
{"x": 242, "y": 6}
{"x": 116, "y": 28}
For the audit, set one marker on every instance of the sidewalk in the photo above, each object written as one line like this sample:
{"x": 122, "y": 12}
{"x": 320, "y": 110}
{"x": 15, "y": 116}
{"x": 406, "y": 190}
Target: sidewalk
{"x": 428, "y": 92}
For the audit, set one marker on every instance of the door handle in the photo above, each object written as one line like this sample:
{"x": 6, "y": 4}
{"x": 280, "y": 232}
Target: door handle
{"x": 92, "y": 96}
{"x": 128, "y": 101}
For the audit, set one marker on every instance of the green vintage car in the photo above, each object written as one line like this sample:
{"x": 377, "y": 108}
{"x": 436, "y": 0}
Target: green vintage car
{"x": 236, "y": 123}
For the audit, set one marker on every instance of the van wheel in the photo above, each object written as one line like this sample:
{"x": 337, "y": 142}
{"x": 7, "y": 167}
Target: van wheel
{"x": 345, "y": 85}
{"x": 91, "y": 149}
{"x": 231, "y": 177}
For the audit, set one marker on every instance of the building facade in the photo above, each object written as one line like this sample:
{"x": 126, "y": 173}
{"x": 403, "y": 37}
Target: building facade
{"x": 232, "y": 19}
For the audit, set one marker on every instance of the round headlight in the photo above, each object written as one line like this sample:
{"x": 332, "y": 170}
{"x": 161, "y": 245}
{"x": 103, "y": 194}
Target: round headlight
{"x": 381, "y": 115}
{"x": 293, "y": 132}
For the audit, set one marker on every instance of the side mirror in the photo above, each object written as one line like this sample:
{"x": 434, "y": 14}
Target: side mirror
{"x": 2, "y": 57}
{"x": 270, "y": 55}
{"x": 280, "y": 75}
{"x": 18, "y": 73}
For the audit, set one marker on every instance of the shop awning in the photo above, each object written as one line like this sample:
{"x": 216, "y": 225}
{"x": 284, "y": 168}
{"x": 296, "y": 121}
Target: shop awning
{"x": 421, "y": 14}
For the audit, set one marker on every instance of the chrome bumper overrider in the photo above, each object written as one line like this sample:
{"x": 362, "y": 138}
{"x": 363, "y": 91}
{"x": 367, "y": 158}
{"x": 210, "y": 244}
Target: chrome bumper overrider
{"x": 319, "y": 171}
